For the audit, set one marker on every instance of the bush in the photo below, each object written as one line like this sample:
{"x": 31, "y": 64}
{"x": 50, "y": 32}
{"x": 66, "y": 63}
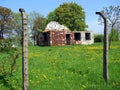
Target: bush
{"x": 98, "y": 38}
{"x": 8, "y": 57}
{"x": 5, "y": 45}
{"x": 114, "y": 35}
{"x": 8, "y": 64}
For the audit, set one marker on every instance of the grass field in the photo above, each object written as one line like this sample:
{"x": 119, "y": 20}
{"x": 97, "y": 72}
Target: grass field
{"x": 74, "y": 67}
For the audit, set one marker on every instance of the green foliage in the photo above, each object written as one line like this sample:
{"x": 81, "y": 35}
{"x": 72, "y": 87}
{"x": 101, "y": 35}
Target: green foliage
{"x": 50, "y": 17}
{"x": 98, "y": 38}
{"x": 11, "y": 54}
{"x": 8, "y": 58}
{"x": 39, "y": 24}
{"x": 70, "y": 15}
{"x": 114, "y": 35}
{"x": 36, "y": 21}
{"x": 6, "y": 20}
{"x": 5, "y": 45}
{"x": 18, "y": 24}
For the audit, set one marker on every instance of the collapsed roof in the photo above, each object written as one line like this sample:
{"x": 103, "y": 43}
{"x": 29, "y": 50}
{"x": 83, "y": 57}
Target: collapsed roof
{"x": 53, "y": 25}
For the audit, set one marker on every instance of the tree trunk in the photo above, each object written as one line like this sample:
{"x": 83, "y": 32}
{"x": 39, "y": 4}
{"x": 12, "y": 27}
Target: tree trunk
{"x": 1, "y": 31}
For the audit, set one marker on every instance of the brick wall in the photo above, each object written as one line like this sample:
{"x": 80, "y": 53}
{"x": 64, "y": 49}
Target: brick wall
{"x": 64, "y": 37}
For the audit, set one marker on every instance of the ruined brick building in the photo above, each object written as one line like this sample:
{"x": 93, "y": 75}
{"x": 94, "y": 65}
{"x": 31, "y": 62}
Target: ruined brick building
{"x": 56, "y": 34}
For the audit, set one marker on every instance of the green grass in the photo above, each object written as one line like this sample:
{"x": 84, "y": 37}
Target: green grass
{"x": 74, "y": 67}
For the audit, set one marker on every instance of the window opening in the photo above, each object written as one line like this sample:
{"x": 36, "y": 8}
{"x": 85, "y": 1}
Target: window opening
{"x": 87, "y": 36}
{"x": 77, "y": 36}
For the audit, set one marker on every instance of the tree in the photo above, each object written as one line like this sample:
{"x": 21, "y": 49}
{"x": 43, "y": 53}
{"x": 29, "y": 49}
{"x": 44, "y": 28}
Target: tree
{"x": 17, "y": 31}
{"x": 118, "y": 29}
{"x": 115, "y": 36}
{"x": 39, "y": 24}
{"x": 70, "y": 15}
{"x": 18, "y": 24}
{"x": 6, "y": 20}
{"x": 50, "y": 17}
{"x": 36, "y": 22}
{"x": 112, "y": 14}
{"x": 32, "y": 17}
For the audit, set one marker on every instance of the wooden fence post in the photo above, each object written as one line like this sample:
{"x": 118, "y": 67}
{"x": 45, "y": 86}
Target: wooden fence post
{"x": 24, "y": 50}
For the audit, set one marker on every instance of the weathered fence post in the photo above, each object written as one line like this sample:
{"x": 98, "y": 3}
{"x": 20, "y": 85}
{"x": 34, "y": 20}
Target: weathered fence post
{"x": 105, "y": 48}
{"x": 24, "y": 50}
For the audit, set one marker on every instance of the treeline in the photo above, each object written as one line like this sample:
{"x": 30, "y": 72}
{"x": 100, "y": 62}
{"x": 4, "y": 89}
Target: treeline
{"x": 114, "y": 33}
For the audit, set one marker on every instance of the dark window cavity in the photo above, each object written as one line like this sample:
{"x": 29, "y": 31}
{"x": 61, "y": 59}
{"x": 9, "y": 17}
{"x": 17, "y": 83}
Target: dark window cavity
{"x": 87, "y": 36}
{"x": 77, "y": 36}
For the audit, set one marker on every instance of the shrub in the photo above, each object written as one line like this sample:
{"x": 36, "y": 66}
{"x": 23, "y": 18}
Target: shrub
{"x": 98, "y": 38}
{"x": 114, "y": 35}
{"x": 5, "y": 45}
{"x": 8, "y": 66}
{"x": 8, "y": 57}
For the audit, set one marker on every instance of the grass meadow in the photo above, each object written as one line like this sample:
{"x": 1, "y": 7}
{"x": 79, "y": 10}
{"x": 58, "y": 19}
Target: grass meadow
{"x": 74, "y": 67}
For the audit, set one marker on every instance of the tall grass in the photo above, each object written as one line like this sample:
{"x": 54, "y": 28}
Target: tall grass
{"x": 74, "y": 67}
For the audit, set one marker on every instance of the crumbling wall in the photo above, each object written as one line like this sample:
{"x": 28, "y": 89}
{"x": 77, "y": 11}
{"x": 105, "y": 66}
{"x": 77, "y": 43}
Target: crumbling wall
{"x": 59, "y": 37}
{"x": 56, "y": 34}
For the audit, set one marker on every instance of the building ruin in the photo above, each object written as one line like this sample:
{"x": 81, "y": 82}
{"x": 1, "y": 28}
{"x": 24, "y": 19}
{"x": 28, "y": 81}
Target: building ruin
{"x": 56, "y": 34}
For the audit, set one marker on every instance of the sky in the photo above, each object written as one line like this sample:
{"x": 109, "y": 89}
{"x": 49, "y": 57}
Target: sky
{"x": 44, "y": 7}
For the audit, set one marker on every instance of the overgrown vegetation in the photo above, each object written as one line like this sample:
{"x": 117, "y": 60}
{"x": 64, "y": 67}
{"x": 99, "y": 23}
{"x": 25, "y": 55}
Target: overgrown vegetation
{"x": 98, "y": 38}
{"x": 8, "y": 59}
{"x": 114, "y": 35}
{"x": 76, "y": 67}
